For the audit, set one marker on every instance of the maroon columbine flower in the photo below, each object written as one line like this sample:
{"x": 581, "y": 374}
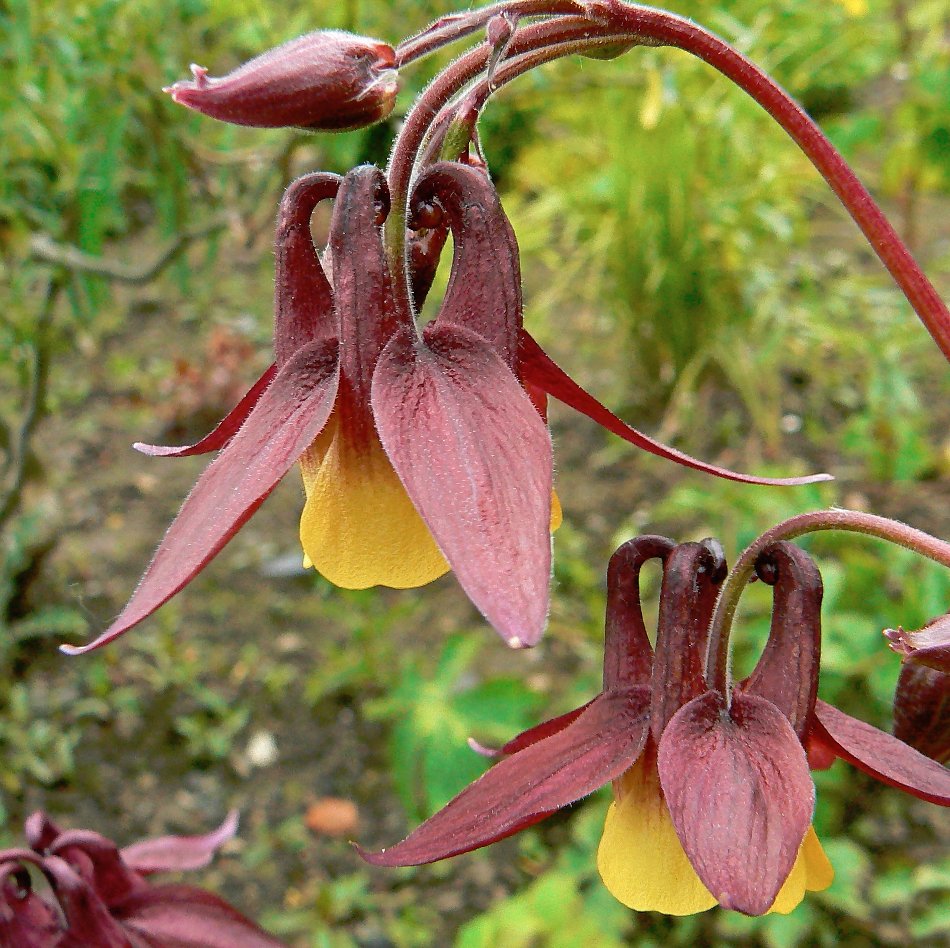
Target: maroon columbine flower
{"x": 713, "y": 796}
{"x": 100, "y": 896}
{"x": 420, "y": 452}
{"x": 328, "y": 80}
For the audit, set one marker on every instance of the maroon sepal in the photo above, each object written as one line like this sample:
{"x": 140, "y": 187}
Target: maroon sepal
{"x": 692, "y": 575}
{"x": 922, "y": 710}
{"x": 740, "y": 796}
{"x": 181, "y": 916}
{"x": 327, "y": 80}
{"x": 537, "y": 367}
{"x": 475, "y": 458}
{"x": 628, "y": 655}
{"x": 303, "y": 297}
{"x": 289, "y": 415}
{"x": 883, "y": 756}
{"x": 178, "y": 853}
{"x": 484, "y": 289}
{"x": 537, "y": 733}
{"x": 522, "y": 789}
{"x": 929, "y": 645}
{"x": 787, "y": 671}
{"x": 226, "y": 429}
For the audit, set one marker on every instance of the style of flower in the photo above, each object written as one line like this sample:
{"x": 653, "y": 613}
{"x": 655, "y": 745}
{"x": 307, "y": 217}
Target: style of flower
{"x": 420, "y": 452}
{"x": 713, "y": 799}
{"x": 100, "y": 895}
{"x": 328, "y": 80}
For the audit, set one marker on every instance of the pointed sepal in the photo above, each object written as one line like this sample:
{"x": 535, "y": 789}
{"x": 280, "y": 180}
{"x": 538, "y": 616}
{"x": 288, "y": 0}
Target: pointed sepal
{"x": 225, "y": 430}
{"x": 883, "y": 756}
{"x": 740, "y": 796}
{"x": 528, "y": 786}
{"x": 538, "y": 368}
{"x": 289, "y": 415}
{"x": 476, "y": 461}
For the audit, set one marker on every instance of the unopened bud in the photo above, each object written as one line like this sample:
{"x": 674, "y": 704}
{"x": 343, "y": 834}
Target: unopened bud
{"x": 328, "y": 80}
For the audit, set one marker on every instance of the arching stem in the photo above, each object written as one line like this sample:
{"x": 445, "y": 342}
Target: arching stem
{"x": 854, "y": 521}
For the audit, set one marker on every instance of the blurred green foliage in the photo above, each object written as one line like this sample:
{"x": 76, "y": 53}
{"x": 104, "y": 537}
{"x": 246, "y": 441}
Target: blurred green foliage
{"x": 681, "y": 257}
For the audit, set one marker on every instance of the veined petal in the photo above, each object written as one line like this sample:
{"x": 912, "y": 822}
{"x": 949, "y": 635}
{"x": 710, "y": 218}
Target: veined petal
{"x": 883, "y": 756}
{"x": 359, "y": 528}
{"x": 740, "y": 796}
{"x": 484, "y": 289}
{"x": 226, "y": 429}
{"x": 475, "y": 458}
{"x": 537, "y": 367}
{"x": 530, "y": 785}
{"x": 286, "y": 420}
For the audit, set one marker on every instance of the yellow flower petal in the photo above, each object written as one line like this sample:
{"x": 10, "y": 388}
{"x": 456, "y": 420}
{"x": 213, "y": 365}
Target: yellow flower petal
{"x": 644, "y": 866}
{"x": 556, "y": 515}
{"x": 640, "y": 857}
{"x": 359, "y": 527}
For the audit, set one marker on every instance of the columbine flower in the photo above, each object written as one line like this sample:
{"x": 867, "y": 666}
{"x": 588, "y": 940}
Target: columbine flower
{"x": 100, "y": 895}
{"x": 922, "y": 710}
{"x": 328, "y": 80}
{"x": 419, "y": 452}
{"x": 713, "y": 796}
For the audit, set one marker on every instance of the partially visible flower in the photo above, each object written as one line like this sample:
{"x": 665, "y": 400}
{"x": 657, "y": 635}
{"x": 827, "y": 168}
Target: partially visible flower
{"x": 713, "y": 797}
{"x": 327, "y": 80}
{"x": 100, "y": 896}
{"x": 922, "y": 710}
{"x": 929, "y": 645}
{"x": 420, "y": 451}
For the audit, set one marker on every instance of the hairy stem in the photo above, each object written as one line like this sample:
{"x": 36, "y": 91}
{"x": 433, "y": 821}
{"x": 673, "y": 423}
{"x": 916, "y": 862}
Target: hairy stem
{"x": 853, "y": 521}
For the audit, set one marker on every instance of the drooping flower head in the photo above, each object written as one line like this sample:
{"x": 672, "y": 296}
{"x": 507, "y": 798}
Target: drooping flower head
{"x": 420, "y": 451}
{"x": 713, "y": 799}
{"x": 100, "y": 895}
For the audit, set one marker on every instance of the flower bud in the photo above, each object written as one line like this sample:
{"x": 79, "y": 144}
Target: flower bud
{"x": 328, "y": 80}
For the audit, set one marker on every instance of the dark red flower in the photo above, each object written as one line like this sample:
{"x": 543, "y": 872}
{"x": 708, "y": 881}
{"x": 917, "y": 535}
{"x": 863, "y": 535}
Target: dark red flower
{"x": 929, "y": 645}
{"x": 100, "y": 896}
{"x": 713, "y": 796}
{"x": 328, "y": 80}
{"x": 420, "y": 452}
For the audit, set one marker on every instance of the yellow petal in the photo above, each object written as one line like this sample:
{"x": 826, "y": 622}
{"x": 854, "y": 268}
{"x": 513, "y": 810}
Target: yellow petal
{"x": 556, "y": 515}
{"x": 640, "y": 857}
{"x": 644, "y": 866}
{"x": 359, "y": 527}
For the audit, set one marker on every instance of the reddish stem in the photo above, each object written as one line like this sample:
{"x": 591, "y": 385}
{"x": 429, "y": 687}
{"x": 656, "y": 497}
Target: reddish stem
{"x": 854, "y": 521}
{"x": 621, "y": 21}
